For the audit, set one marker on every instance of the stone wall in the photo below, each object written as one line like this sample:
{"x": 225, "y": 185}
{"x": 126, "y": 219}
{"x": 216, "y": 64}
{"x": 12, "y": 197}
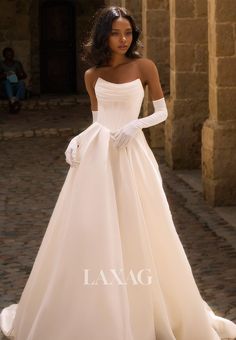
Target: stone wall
{"x": 188, "y": 107}
{"x": 219, "y": 131}
{"x": 14, "y": 30}
{"x": 158, "y": 38}
{"x": 158, "y": 50}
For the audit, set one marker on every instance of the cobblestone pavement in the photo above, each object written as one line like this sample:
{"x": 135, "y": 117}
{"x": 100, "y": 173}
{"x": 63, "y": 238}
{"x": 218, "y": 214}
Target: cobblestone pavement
{"x": 32, "y": 173}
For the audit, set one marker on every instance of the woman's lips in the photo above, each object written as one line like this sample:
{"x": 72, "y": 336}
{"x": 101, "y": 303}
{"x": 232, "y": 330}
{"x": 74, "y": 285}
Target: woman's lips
{"x": 123, "y": 47}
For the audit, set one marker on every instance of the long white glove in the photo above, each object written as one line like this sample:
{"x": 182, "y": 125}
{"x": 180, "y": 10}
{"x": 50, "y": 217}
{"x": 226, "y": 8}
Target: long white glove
{"x": 125, "y": 134}
{"x": 95, "y": 116}
{"x": 71, "y": 150}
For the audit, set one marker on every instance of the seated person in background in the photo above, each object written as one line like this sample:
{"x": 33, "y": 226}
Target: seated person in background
{"x": 12, "y": 75}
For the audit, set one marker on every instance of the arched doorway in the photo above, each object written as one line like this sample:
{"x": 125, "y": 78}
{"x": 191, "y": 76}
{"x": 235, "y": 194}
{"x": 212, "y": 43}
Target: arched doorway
{"x": 57, "y": 47}
{"x": 46, "y": 71}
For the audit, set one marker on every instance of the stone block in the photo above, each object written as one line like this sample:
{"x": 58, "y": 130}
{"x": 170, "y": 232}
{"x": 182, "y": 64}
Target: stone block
{"x": 220, "y": 192}
{"x": 189, "y": 84}
{"x": 224, "y": 163}
{"x": 219, "y": 135}
{"x": 158, "y": 23}
{"x": 225, "y": 10}
{"x": 22, "y": 7}
{"x": 225, "y": 138}
{"x": 201, "y": 8}
{"x": 22, "y": 22}
{"x": 156, "y": 135}
{"x": 158, "y": 49}
{"x": 7, "y": 14}
{"x": 184, "y": 8}
{"x": 226, "y": 71}
{"x": 191, "y": 30}
{"x": 178, "y": 158}
{"x": 183, "y": 138}
{"x": 185, "y": 108}
{"x": 165, "y": 78}
{"x": 200, "y": 67}
{"x": 225, "y": 42}
{"x": 201, "y": 54}
{"x": 219, "y": 162}
{"x": 158, "y": 4}
{"x": 226, "y": 103}
{"x": 134, "y": 6}
{"x": 184, "y": 57}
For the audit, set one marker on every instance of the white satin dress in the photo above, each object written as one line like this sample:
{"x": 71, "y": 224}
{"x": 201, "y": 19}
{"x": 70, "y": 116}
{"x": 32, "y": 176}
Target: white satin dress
{"x": 111, "y": 265}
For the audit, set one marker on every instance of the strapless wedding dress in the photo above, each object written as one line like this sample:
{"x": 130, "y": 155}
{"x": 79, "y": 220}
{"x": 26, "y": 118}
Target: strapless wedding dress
{"x": 111, "y": 265}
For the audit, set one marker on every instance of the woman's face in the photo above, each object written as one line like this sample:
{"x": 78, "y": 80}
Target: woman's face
{"x": 121, "y": 36}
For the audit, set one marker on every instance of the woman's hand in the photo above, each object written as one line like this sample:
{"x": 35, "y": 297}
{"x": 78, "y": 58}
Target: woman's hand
{"x": 125, "y": 134}
{"x": 71, "y": 151}
{"x": 129, "y": 131}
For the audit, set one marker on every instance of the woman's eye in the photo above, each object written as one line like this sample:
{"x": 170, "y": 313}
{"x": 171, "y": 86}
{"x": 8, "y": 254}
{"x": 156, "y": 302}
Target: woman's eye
{"x": 116, "y": 33}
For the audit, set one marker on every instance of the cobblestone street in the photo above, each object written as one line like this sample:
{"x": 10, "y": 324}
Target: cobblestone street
{"x": 33, "y": 170}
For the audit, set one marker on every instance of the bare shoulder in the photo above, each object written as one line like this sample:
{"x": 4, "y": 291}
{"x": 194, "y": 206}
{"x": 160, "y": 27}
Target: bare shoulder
{"x": 150, "y": 75}
{"x": 145, "y": 62}
{"x": 90, "y": 76}
{"x": 147, "y": 67}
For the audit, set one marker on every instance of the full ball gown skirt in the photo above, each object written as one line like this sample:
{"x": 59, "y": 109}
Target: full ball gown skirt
{"x": 111, "y": 265}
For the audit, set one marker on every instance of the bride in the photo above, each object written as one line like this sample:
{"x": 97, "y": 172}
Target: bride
{"x": 111, "y": 265}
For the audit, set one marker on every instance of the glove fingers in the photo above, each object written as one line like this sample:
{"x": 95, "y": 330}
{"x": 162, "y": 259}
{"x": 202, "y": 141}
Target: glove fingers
{"x": 68, "y": 158}
{"x": 73, "y": 155}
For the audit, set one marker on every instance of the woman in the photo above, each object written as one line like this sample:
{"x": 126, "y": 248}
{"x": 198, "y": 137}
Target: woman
{"x": 111, "y": 265}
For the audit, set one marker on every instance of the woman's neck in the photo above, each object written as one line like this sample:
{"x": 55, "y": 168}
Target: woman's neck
{"x": 118, "y": 60}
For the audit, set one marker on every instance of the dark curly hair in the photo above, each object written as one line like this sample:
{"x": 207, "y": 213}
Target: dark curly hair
{"x": 95, "y": 50}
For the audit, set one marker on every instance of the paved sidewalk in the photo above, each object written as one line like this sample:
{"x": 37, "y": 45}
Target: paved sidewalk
{"x": 62, "y": 118}
{"x": 32, "y": 173}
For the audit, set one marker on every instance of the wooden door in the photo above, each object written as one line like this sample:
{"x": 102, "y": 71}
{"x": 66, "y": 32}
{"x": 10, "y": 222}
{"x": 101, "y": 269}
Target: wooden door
{"x": 57, "y": 47}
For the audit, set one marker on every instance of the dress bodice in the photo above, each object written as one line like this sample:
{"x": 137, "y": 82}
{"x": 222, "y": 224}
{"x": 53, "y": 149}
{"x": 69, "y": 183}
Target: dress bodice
{"x": 118, "y": 103}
